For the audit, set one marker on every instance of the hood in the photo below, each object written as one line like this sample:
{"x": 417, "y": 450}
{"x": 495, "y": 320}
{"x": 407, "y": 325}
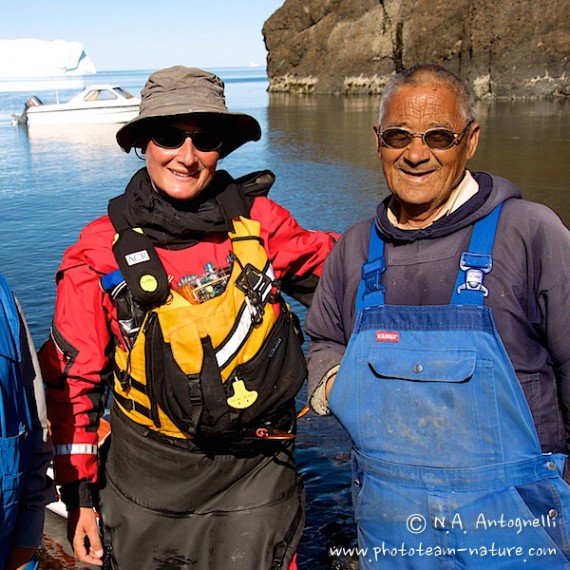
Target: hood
{"x": 492, "y": 191}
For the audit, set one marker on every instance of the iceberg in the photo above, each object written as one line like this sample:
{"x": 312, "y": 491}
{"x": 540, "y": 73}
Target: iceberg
{"x": 29, "y": 61}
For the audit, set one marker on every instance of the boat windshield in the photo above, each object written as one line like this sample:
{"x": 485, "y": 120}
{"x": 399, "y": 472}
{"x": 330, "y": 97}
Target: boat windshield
{"x": 100, "y": 95}
{"x": 124, "y": 92}
{"x": 107, "y": 94}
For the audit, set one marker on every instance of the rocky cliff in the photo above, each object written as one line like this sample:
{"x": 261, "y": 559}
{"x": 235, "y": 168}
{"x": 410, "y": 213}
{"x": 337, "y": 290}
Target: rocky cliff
{"x": 503, "y": 49}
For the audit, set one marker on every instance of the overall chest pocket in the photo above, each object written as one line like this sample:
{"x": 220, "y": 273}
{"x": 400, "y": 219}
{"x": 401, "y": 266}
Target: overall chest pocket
{"x": 423, "y": 365}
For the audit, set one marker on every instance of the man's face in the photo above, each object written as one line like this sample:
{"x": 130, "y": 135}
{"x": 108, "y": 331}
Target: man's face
{"x": 422, "y": 178}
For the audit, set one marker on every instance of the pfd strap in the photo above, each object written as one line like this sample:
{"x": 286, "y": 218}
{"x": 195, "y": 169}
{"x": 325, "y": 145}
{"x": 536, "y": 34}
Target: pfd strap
{"x": 137, "y": 259}
{"x": 132, "y": 406}
{"x": 136, "y": 255}
{"x": 232, "y": 201}
{"x": 141, "y": 267}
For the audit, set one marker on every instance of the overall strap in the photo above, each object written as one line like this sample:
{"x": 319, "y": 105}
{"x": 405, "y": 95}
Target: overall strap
{"x": 476, "y": 262}
{"x": 14, "y": 405}
{"x": 474, "y": 265}
{"x": 371, "y": 291}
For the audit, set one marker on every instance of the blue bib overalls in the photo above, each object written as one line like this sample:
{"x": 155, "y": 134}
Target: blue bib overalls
{"x": 15, "y": 420}
{"x": 447, "y": 466}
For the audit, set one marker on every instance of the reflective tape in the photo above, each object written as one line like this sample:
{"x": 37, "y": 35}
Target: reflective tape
{"x": 76, "y": 449}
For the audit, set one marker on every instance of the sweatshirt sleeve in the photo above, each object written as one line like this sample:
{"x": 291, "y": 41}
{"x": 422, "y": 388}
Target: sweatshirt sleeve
{"x": 552, "y": 269}
{"x": 326, "y": 329}
{"x": 532, "y": 275}
{"x": 330, "y": 319}
{"x": 297, "y": 254}
{"x": 75, "y": 361}
{"x": 38, "y": 490}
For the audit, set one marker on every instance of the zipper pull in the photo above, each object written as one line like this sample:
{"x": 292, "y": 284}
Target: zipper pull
{"x": 242, "y": 398}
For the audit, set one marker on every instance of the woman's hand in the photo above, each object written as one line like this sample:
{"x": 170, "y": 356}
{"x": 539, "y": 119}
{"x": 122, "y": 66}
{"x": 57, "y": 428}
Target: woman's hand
{"x": 83, "y": 534}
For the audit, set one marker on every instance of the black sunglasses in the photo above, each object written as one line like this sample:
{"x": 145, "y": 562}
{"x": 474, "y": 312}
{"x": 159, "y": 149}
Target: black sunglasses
{"x": 171, "y": 138}
{"x": 439, "y": 138}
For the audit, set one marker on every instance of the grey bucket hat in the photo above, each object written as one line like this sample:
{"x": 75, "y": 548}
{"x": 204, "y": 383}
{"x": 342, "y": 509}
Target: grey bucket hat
{"x": 187, "y": 91}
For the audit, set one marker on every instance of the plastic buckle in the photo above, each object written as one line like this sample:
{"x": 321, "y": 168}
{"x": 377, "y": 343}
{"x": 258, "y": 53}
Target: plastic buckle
{"x": 475, "y": 266}
{"x": 372, "y": 275}
{"x": 124, "y": 379}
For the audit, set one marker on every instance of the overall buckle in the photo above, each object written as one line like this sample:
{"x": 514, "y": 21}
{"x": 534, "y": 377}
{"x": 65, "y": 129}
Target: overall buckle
{"x": 372, "y": 275}
{"x": 475, "y": 266}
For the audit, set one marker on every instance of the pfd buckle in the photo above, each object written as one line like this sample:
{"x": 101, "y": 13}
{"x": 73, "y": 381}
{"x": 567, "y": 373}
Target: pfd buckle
{"x": 475, "y": 266}
{"x": 257, "y": 286}
{"x": 124, "y": 379}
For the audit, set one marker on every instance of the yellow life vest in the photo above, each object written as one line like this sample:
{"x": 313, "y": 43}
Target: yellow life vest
{"x": 218, "y": 368}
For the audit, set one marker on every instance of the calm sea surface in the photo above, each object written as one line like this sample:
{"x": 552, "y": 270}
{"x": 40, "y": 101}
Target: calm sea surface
{"x": 55, "y": 180}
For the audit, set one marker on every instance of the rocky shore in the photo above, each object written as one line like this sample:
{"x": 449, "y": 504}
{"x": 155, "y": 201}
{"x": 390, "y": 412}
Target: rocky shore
{"x": 504, "y": 50}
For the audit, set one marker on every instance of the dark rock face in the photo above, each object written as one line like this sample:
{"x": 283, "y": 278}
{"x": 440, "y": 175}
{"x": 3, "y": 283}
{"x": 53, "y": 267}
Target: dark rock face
{"x": 502, "y": 48}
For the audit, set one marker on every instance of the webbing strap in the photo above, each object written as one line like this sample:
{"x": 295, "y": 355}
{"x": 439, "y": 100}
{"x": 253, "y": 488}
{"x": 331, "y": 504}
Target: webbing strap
{"x": 138, "y": 261}
{"x": 232, "y": 203}
{"x": 14, "y": 405}
{"x": 131, "y": 405}
{"x": 371, "y": 291}
{"x": 476, "y": 262}
{"x": 141, "y": 267}
{"x": 474, "y": 265}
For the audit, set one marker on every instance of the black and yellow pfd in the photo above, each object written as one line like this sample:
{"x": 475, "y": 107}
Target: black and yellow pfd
{"x": 227, "y": 368}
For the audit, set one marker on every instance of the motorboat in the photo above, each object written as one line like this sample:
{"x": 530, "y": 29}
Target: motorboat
{"x": 104, "y": 103}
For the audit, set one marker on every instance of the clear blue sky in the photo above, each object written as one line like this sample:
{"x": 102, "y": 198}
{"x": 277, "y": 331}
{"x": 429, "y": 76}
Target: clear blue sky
{"x": 147, "y": 34}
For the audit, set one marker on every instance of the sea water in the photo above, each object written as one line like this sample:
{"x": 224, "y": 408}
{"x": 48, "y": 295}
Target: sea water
{"x": 55, "y": 179}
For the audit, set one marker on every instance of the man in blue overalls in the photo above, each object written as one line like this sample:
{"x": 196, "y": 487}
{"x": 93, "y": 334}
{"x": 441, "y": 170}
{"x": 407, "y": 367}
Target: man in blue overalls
{"x": 440, "y": 341}
{"x": 25, "y": 450}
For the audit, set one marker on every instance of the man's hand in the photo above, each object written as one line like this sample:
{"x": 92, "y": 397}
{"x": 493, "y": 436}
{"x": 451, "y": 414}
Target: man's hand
{"x": 83, "y": 535}
{"x": 329, "y": 385}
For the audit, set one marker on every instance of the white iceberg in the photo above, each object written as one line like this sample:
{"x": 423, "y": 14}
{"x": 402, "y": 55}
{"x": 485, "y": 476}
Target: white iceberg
{"x": 25, "y": 60}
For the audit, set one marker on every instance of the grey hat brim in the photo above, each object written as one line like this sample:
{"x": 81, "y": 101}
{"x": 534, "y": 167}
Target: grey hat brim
{"x": 237, "y": 129}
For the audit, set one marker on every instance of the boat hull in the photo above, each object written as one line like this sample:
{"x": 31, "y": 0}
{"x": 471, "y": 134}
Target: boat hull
{"x": 44, "y": 116}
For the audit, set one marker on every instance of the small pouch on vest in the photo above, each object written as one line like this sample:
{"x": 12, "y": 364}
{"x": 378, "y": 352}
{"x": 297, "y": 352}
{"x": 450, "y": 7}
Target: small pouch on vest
{"x": 140, "y": 265}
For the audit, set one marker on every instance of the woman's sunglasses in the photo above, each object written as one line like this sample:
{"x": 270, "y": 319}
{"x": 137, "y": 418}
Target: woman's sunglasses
{"x": 171, "y": 138}
{"x": 438, "y": 138}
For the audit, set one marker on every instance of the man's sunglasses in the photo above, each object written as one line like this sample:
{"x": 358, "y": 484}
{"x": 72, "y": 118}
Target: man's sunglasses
{"x": 439, "y": 138}
{"x": 171, "y": 138}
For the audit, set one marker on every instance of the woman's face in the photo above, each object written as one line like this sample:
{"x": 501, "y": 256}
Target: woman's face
{"x": 181, "y": 173}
